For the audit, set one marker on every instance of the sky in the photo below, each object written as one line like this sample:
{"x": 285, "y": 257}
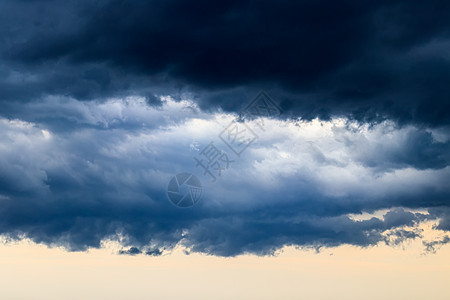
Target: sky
{"x": 267, "y": 134}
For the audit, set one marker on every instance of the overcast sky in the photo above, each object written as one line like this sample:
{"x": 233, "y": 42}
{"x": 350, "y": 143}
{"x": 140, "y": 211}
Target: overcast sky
{"x": 103, "y": 102}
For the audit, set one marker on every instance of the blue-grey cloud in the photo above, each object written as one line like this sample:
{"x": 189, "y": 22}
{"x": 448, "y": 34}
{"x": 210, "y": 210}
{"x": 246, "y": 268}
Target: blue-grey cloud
{"x": 104, "y": 177}
{"x": 432, "y": 246}
{"x": 131, "y": 251}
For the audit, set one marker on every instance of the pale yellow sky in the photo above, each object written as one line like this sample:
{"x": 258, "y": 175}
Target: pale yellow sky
{"x": 30, "y": 271}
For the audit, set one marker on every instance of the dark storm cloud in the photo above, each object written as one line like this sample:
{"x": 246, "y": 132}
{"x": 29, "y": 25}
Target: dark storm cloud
{"x": 89, "y": 168}
{"x": 367, "y": 59}
{"x": 256, "y": 232}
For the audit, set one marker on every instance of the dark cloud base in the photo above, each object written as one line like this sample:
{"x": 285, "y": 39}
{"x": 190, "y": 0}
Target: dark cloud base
{"x": 370, "y": 60}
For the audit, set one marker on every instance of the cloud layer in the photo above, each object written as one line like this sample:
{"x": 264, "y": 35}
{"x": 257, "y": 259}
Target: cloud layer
{"x": 104, "y": 176}
{"x": 102, "y": 102}
{"x": 369, "y": 60}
